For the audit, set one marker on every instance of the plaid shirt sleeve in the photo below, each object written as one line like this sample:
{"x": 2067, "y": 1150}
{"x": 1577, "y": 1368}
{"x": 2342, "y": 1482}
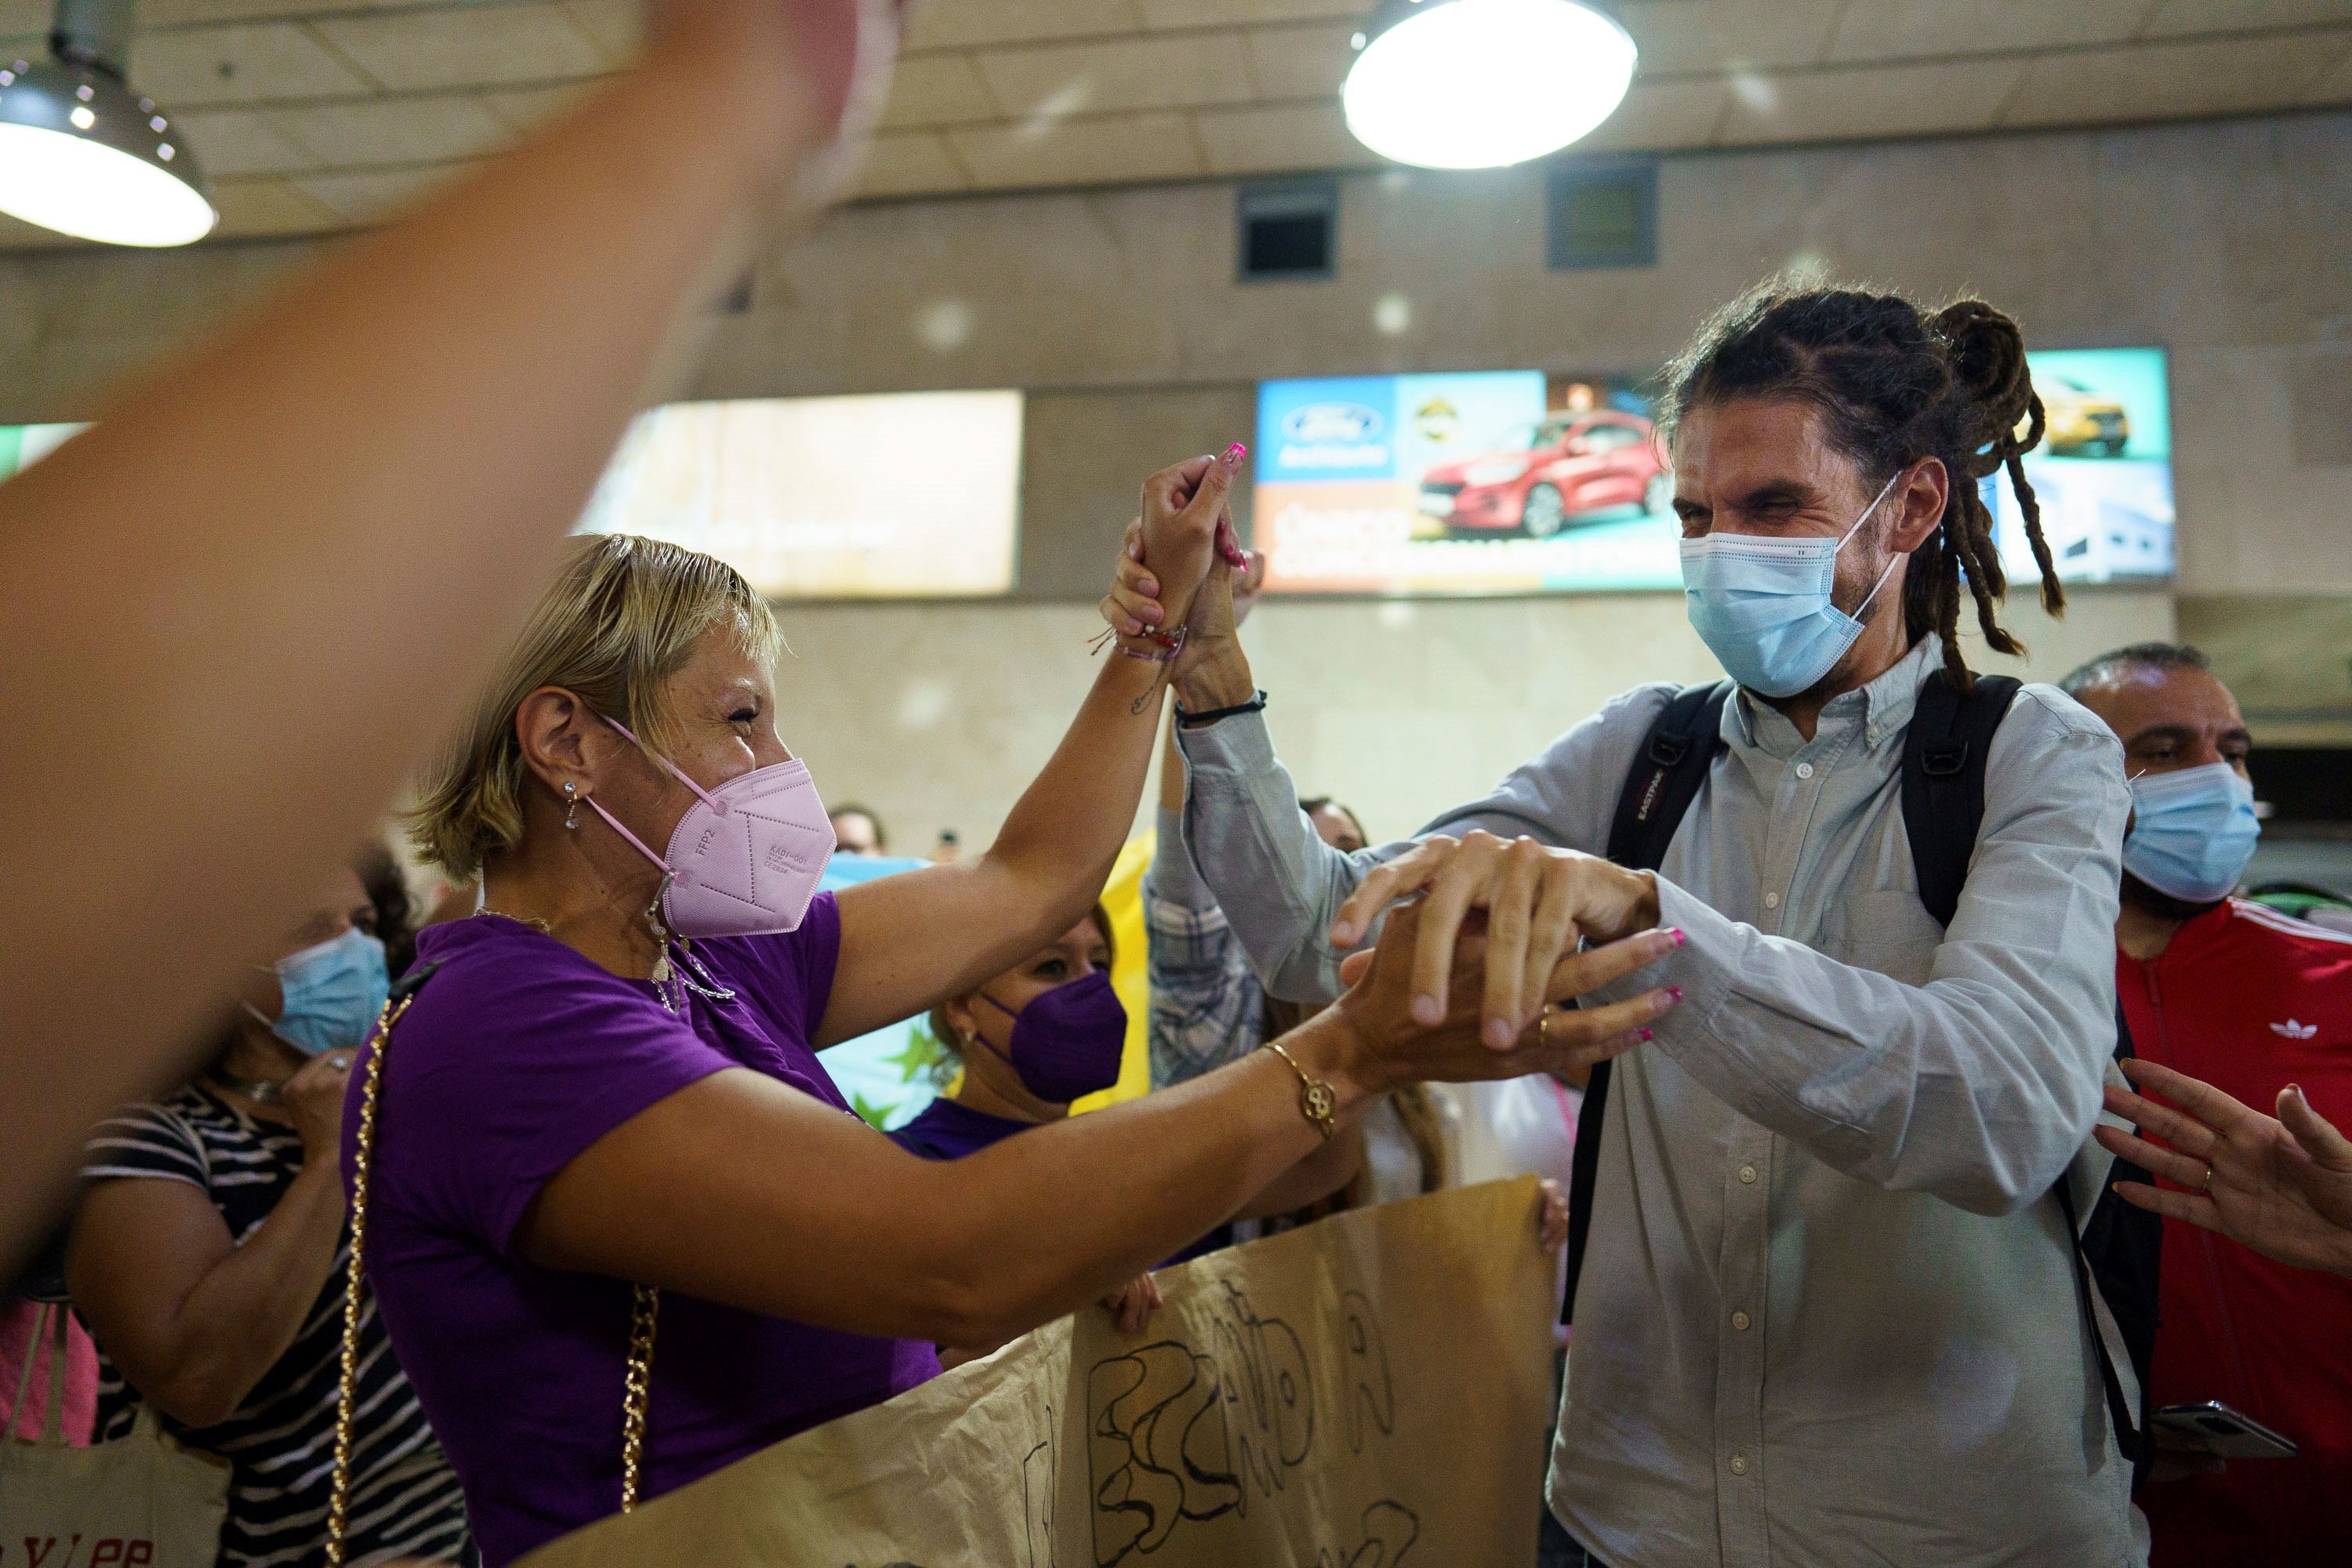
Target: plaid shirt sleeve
{"x": 1207, "y": 1009}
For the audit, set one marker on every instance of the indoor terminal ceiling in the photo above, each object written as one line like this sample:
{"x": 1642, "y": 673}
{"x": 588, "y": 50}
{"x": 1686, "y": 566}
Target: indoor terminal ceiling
{"x": 313, "y": 115}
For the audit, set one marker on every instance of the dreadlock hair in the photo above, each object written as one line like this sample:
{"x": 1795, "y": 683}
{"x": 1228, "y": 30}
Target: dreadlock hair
{"x": 1893, "y": 385}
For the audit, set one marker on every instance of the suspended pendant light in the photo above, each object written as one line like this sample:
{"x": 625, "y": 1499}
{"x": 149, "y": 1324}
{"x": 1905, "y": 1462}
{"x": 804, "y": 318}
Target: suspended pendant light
{"x": 83, "y": 153}
{"x": 1478, "y": 84}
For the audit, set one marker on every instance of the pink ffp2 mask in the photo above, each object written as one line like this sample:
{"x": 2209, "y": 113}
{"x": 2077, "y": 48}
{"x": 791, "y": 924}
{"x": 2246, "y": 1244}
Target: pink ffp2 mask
{"x": 745, "y": 859}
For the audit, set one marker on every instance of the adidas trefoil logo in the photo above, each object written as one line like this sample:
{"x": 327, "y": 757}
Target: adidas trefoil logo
{"x": 2294, "y": 1030}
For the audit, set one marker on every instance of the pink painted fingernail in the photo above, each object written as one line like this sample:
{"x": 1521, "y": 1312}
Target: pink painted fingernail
{"x": 1679, "y": 935}
{"x": 1234, "y": 454}
{"x": 1649, "y": 1033}
{"x": 1674, "y": 995}
{"x": 1427, "y": 1013}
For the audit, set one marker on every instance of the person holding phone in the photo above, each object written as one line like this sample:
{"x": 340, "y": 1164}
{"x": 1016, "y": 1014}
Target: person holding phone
{"x": 2257, "y": 1005}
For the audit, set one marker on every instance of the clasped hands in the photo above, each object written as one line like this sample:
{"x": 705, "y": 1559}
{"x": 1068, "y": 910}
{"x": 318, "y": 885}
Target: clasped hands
{"x": 1515, "y": 911}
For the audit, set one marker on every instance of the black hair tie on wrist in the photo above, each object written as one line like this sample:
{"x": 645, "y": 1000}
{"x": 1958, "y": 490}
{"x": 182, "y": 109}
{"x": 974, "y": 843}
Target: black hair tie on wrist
{"x": 1196, "y": 720}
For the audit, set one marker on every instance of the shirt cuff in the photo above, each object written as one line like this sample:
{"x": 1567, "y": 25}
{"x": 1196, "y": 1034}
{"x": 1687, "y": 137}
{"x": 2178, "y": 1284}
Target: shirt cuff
{"x": 1706, "y": 966}
{"x": 1227, "y": 751}
{"x": 1174, "y": 879}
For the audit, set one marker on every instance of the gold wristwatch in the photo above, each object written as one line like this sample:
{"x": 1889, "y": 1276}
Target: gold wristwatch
{"x": 1317, "y": 1098}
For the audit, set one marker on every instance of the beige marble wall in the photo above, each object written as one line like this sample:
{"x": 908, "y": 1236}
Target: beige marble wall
{"x": 938, "y": 717}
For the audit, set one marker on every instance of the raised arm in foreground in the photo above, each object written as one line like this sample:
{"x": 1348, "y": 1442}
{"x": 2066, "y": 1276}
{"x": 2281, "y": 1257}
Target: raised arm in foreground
{"x": 238, "y": 609}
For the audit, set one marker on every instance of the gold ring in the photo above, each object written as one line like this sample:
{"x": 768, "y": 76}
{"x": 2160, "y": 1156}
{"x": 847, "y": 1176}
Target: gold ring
{"x": 2208, "y": 1188}
{"x": 1543, "y": 1026}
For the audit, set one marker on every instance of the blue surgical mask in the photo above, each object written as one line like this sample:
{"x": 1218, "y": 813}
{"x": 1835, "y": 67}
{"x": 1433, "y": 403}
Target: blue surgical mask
{"x": 1763, "y": 606}
{"x": 2192, "y": 832}
{"x": 332, "y": 994}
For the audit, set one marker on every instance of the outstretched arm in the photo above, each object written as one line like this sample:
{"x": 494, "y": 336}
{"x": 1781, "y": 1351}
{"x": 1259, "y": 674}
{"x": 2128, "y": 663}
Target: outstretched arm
{"x": 236, "y": 610}
{"x": 908, "y": 941}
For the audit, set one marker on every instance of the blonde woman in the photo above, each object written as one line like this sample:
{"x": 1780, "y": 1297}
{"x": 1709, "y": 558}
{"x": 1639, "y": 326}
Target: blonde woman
{"x": 592, "y": 1089}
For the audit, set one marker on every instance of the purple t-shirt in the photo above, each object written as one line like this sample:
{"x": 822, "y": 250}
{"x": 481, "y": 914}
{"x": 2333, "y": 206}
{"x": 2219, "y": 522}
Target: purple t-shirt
{"x": 517, "y": 1054}
{"x": 949, "y": 1130}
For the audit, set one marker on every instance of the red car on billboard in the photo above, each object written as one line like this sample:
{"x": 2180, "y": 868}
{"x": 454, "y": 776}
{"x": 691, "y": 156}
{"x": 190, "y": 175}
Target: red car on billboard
{"x": 1551, "y": 475}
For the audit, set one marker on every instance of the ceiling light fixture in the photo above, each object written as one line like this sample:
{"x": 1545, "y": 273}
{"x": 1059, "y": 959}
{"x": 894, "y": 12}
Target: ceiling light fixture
{"x": 1478, "y": 84}
{"x": 81, "y": 153}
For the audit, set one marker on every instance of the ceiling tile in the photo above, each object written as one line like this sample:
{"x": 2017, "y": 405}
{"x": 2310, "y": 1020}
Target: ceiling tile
{"x": 1300, "y": 62}
{"x": 1079, "y": 152}
{"x": 1136, "y": 73}
{"x": 524, "y": 107}
{"x": 954, "y": 23}
{"x": 937, "y": 90}
{"x": 1280, "y": 139}
{"x": 233, "y": 141}
{"x": 1869, "y": 101}
{"x": 2177, "y": 16}
{"x": 471, "y": 46}
{"x": 2154, "y": 81}
{"x": 1678, "y": 37}
{"x": 615, "y": 27}
{"x": 388, "y": 131}
{"x": 915, "y": 163}
{"x": 253, "y": 208}
{"x": 363, "y": 198}
{"x": 1658, "y": 116}
{"x": 1901, "y": 29}
{"x": 1214, "y": 13}
{"x": 244, "y": 63}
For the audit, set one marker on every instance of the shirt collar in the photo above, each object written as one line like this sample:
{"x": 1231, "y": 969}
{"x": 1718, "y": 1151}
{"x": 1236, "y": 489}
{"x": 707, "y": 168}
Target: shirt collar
{"x": 1883, "y": 706}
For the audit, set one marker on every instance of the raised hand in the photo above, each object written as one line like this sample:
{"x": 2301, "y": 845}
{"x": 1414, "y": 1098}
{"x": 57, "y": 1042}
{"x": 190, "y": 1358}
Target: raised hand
{"x": 1537, "y": 904}
{"x": 1398, "y": 1047}
{"x": 2281, "y": 1185}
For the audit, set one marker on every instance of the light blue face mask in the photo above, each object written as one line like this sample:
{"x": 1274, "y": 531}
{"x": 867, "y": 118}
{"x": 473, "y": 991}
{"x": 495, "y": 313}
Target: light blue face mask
{"x": 2192, "y": 832}
{"x": 1762, "y": 604}
{"x": 332, "y": 994}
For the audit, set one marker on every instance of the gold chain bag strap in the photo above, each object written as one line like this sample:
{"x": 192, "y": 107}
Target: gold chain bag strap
{"x": 644, "y": 1312}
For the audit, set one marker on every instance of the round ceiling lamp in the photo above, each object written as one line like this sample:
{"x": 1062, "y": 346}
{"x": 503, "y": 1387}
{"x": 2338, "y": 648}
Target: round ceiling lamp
{"x": 1478, "y": 84}
{"x": 81, "y": 153}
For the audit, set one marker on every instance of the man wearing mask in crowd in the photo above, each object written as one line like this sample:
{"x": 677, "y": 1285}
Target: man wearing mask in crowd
{"x": 2248, "y": 1000}
{"x": 1827, "y": 1312}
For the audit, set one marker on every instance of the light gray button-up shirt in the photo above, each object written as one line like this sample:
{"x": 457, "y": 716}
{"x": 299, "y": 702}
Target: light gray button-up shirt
{"x": 1827, "y": 1314}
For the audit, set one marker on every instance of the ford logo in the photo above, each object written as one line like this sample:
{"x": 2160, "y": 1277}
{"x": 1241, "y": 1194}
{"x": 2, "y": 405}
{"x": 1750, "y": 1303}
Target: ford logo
{"x": 1319, "y": 423}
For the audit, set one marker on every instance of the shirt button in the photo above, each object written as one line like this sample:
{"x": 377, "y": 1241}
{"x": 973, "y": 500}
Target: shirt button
{"x": 1739, "y": 1464}
{"x": 1804, "y": 770}
{"x": 1739, "y": 1320}
{"x": 1771, "y": 900}
{"x": 1748, "y": 1175}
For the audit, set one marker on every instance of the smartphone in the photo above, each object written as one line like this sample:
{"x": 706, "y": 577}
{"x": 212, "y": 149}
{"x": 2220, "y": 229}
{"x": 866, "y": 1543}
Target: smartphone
{"x": 2215, "y": 1428}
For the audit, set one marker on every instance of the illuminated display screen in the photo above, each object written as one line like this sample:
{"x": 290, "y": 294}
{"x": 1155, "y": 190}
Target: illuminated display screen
{"x": 912, "y": 495}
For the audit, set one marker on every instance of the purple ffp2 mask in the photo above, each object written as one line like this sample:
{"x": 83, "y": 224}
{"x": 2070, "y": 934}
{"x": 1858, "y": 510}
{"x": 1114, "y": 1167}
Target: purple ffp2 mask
{"x": 745, "y": 859}
{"x": 1068, "y": 1042}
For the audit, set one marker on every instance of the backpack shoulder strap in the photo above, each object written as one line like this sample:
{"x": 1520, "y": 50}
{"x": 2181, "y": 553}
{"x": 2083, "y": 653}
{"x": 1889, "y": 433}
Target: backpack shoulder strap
{"x": 1664, "y": 779}
{"x": 1667, "y": 775}
{"x": 1944, "y": 755}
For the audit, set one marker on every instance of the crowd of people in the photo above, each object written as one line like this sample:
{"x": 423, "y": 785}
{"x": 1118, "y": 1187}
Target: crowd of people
{"x": 1808, "y": 990}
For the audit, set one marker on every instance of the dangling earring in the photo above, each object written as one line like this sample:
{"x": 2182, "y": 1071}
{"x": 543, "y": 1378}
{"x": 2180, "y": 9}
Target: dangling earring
{"x": 571, "y": 806}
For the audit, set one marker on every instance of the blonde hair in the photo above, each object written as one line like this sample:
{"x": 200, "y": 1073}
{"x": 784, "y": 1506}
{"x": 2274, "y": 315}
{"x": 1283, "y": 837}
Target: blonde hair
{"x": 952, "y": 1046}
{"x": 621, "y": 618}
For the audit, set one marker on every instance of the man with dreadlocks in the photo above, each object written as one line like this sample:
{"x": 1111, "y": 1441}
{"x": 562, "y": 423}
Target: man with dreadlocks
{"x": 1827, "y": 1311}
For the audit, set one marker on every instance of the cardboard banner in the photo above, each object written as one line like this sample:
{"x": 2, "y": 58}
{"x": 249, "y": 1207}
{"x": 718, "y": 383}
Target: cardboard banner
{"x": 1368, "y": 1392}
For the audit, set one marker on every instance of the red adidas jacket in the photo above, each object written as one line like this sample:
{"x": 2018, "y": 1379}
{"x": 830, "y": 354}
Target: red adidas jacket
{"x": 2251, "y": 1001}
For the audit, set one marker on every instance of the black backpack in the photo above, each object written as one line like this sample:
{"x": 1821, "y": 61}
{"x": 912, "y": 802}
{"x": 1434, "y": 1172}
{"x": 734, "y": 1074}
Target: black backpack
{"x": 1943, "y": 774}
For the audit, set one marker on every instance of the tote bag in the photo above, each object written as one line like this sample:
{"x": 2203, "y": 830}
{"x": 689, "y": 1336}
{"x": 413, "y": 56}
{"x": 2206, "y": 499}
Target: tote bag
{"x": 142, "y": 1501}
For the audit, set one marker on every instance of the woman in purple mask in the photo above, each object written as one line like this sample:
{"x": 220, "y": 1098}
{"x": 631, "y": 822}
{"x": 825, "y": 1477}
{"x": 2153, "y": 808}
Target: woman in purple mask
{"x": 621, "y": 1225}
{"x": 1048, "y": 1031}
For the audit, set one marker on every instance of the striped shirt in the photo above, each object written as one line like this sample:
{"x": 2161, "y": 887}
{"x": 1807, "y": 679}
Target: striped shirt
{"x": 281, "y": 1440}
